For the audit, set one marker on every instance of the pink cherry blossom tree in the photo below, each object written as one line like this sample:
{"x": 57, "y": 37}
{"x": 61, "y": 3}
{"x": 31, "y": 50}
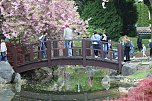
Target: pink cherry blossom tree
{"x": 28, "y": 18}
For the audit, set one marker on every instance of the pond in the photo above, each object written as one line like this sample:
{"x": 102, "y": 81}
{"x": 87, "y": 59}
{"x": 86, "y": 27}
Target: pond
{"x": 61, "y": 84}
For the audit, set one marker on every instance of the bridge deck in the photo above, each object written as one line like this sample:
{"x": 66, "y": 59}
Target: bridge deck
{"x": 58, "y": 55}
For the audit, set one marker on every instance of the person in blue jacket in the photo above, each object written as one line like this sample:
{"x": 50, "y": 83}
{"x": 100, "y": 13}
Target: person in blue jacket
{"x": 95, "y": 38}
{"x": 150, "y": 46}
{"x": 43, "y": 45}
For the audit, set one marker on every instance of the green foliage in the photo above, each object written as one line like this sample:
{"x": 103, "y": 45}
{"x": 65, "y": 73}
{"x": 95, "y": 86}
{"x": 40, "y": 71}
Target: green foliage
{"x": 148, "y": 36}
{"x": 128, "y": 12}
{"x": 92, "y": 29}
{"x": 106, "y": 20}
{"x": 119, "y": 16}
{"x": 150, "y": 21}
{"x": 81, "y": 77}
{"x": 151, "y": 70}
{"x": 138, "y": 75}
{"x": 143, "y": 15}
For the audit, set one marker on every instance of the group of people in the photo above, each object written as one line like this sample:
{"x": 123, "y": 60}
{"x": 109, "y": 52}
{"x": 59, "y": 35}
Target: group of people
{"x": 67, "y": 36}
{"x": 129, "y": 47}
{"x": 96, "y": 39}
{"x": 141, "y": 46}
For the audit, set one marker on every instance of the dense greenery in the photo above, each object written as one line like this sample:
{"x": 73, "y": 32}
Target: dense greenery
{"x": 149, "y": 5}
{"x": 128, "y": 12}
{"x": 138, "y": 75}
{"x": 143, "y": 16}
{"x": 119, "y": 16}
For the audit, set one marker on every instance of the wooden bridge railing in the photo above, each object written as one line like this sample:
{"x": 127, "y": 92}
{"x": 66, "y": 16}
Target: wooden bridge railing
{"x": 57, "y": 54}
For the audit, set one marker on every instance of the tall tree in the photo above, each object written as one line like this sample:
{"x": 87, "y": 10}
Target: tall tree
{"x": 114, "y": 19}
{"x": 128, "y": 12}
{"x": 149, "y": 4}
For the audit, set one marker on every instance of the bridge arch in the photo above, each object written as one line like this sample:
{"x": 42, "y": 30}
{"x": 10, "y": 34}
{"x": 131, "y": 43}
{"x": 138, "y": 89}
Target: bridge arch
{"x": 58, "y": 55}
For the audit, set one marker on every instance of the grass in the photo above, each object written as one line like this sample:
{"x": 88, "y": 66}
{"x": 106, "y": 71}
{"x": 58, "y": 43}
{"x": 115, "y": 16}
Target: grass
{"x": 138, "y": 75}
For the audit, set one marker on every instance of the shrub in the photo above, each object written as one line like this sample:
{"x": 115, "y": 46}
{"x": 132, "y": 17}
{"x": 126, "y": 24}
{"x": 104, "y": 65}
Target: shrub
{"x": 142, "y": 92}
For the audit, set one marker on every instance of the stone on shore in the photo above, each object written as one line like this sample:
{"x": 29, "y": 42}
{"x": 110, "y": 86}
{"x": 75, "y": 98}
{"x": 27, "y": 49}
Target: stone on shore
{"x": 129, "y": 68}
{"x": 6, "y": 72}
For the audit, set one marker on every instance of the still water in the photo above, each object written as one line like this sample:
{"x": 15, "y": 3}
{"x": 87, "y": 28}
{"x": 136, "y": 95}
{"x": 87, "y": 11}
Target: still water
{"x": 10, "y": 93}
{"x": 67, "y": 85}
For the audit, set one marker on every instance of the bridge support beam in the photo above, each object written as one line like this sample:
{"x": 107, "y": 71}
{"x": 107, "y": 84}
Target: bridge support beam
{"x": 49, "y": 52}
{"x": 120, "y": 56}
{"x": 84, "y": 51}
{"x": 85, "y": 58}
{"x": 14, "y": 57}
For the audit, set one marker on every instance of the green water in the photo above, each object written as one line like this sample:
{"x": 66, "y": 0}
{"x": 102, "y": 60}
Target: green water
{"x": 62, "y": 87}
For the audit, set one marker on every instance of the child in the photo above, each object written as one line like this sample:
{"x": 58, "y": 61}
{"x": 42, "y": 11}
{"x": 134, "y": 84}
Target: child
{"x": 144, "y": 50}
{"x": 3, "y": 51}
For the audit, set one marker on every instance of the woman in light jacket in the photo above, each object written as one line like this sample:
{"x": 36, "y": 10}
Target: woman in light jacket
{"x": 3, "y": 51}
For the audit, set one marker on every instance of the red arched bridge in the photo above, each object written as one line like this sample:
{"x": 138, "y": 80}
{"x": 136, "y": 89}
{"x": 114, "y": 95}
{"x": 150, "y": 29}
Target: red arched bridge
{"x": 82, "y": 54}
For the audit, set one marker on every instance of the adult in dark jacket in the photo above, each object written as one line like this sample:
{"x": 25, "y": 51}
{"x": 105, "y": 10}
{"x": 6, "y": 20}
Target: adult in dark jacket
{"x": 127, "y": 49}
{"x": 43, "y": 44}
{"x": 150, "y": 46}
{"x": 139, "y": 43}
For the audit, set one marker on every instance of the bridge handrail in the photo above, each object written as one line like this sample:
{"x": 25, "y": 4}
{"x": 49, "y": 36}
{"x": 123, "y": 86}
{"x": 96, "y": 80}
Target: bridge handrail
{"x": 85, "y": 51}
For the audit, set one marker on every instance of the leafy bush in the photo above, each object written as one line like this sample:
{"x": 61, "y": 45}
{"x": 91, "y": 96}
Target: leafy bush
{"x": 143, "y": 92}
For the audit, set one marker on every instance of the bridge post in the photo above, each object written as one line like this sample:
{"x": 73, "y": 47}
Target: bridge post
{"x": 31, "y": 53}
{"x": 88, "y": 45}
{"x": 49, "y": 52}
{"x": 102, "y": 52}
{"x": 14, "y": 52}
{"x": 84, "y": 51}
{"x": 55, "y": 50}
{"x": 120, "y": 56}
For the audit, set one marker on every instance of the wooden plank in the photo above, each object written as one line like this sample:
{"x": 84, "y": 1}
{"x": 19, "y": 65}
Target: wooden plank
{"x": 55, "y": 52}
{"x": 84, "y": 58}
{"x": 84, "y": 51}
{"x": 49, "y": 52}
{"x": 14, "y": 51}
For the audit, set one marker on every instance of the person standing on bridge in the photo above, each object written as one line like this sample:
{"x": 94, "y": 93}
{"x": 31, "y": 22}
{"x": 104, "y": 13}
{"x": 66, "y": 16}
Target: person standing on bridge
{"x": 105, "y": 45}
{"x": 43, "y": 44}
{"x": 68, "y": 36}
{"x": 3, "y": 51}
{"x": 96, "y": 43}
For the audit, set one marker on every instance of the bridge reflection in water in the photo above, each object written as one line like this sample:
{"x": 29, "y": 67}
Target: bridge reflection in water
{"x": 82, "y": 54}
{"x": 83, "y": 96}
